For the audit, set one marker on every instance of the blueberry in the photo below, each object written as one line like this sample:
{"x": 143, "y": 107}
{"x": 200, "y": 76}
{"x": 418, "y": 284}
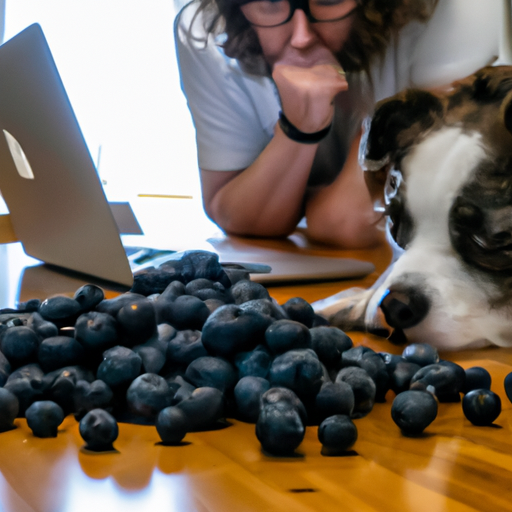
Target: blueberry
{"x": 300, "y": 310}
{"x": 329, "y": 343}
{"x": 153, "y": 360}
{"x": 184, "y": 312}
{"x": 477, "y": 378}
{"x": 43, "y": 328}
{"x": 148, "y": 394}
{"x": 276, "y": 394}
{"x": 363, "y": 387}
{"x": 299, "y": 370}
{"x": 230, "y": 330}
{"x": 59, "y": 351}
{"x": 89, "y": 296}
{"x": 171, "y": 425}
{"x": 391, "y": 361}
{"x": 9, "y": 408}
{"x": 243, "y": 291}
{"x": 19, "y": 345}
{"x": 335, "y": 398}
{"x": 60, "y": 310}
{"x": 508, "y": 386}
{"x": 212, "y": 372}
{"x": 136, "y": 322}
{"x": 5, "y": 369}
{"x": 266, "y": 307}
{"x": 96, "y": 331}
{"x": 205, "y": 289}
{"x": 112, "y": 306}
{"x": 99, "y": 430}
{"x": 44, "y": 418}
{"x": 248, "y": 393}
{"x": 203, "y": 408}
{"x": 254, "y": 363}
{"x": 481, "y": 406}
{"x": 353, "y": 356}
{"x": 413, "y": 411}
{"x": 119, "y": 367}
{"x": 337, "y": 434}
{"x": 443, "y": 377}
{"x": 284, "y": 335}
{"x": 402, "y": 375}
{"x": 185, "y": 347}
{"x": 280, "y": 428}
{"x": 421, "y": 353}
{"x": 27, "y": 385}
{"x": 91, "y": 395}
{"x": 59, "y": 385}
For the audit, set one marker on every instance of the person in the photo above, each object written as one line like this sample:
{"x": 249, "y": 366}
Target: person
{"x": 278, "y": 91}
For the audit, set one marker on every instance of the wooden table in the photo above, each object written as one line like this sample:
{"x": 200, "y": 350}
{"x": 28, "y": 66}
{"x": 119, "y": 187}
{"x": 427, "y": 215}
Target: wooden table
{"x": 454, "y": 466}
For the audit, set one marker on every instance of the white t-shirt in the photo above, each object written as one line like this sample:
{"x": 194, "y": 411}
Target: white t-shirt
{"x": 234, "y": 113}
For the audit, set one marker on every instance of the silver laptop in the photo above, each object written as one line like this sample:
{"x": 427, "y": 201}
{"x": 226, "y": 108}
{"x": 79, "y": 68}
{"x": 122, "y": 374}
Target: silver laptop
{"x": 56, "y": 201}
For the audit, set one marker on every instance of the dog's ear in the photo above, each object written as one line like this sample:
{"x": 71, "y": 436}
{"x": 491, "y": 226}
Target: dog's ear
{"x": 396, "y": 125}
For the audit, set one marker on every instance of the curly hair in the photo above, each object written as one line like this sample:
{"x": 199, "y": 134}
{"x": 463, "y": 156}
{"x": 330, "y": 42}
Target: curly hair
{"x": 376, "y": 21}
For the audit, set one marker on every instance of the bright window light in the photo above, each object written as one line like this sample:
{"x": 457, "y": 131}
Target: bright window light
{"x": 118, "y": 64}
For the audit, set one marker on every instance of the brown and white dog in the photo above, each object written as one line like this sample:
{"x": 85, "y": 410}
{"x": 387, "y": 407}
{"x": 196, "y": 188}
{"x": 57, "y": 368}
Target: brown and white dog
{"x": 441, "y": 167}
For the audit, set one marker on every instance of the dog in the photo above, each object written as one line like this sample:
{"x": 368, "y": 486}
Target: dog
{"x": 439, "y": 166}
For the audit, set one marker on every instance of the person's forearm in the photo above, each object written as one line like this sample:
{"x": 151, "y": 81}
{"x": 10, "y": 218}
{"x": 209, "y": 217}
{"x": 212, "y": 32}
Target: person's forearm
{"x": 267, "y": 198}
{"x": 342, "y": 213}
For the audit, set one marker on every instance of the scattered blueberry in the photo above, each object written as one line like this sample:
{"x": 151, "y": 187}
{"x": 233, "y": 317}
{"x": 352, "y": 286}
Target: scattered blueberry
{"x": 477, "y": 378}
{"x": 44, "y": 418}
{"x": 421, "y": 354}
{"x": 99, "y": 430}
{"x": 9, "y": 408}
{"x": 337, "y": 434}
{"x": 171, "y": 425}
{"x": 481, "y": 406}
{"x": 413, "y": 411}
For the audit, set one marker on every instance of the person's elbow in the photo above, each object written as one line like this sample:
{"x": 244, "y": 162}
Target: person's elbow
{"x": 353, "y": 231}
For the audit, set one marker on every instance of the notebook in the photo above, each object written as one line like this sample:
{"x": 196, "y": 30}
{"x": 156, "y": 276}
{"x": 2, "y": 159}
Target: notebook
{"x": 56, "y": 201}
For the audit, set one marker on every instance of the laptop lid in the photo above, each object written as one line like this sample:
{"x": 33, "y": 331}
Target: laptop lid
{"x": 47, "y": 177}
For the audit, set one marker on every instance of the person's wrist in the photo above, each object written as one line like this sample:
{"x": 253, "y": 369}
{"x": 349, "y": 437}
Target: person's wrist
{"x": 293, "y": 133}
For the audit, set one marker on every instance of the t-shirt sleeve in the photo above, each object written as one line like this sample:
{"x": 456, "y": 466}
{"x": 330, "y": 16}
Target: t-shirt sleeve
{"x": 233, "y": 114}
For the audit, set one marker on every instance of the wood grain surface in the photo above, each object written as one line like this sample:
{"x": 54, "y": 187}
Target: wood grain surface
{"x": 453, "y": 466}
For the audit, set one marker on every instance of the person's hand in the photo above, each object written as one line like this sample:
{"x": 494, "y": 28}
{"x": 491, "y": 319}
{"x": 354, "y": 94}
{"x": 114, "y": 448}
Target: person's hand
{"x": 307, "y": 93}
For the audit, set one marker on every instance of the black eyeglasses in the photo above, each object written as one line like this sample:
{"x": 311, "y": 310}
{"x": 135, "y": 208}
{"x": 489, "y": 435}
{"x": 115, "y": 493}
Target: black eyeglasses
{"x": 272, "y": 13}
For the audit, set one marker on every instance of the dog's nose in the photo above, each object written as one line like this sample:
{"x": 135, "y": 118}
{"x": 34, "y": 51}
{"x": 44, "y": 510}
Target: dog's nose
{"x": 404, "y": 307}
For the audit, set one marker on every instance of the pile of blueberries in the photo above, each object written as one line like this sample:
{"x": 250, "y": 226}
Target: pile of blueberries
{"x": 195, "y": 342}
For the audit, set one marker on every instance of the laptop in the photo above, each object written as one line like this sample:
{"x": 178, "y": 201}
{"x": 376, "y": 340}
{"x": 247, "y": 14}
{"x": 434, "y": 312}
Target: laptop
{"x": 55, "y": 198}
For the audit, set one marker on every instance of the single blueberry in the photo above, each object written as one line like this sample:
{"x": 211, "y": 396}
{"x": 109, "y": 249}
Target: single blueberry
{"x": 148, "y": 394}
{"x": 171, "y": 425}
{"x": 477, "y": 378}
{"x": 337, "y": 434}
{"x": 9, "y": 408}
{"x": 212, "y": 372}
{"x": 481, "y": 406}
{"x": 284, "y": 335}
{"x": 248, "y": 393}
{"x": 421, "y": 354}
{"x": 44, "y": 418}
{"x": 413, "y": 411}
{"x": 99, "y": 430}
{"x": 300, "y": 310}
{"x": 363, "y": 387}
